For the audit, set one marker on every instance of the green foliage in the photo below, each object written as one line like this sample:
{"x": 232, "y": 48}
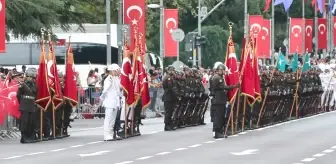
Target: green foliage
{"x": 26, "y": 17}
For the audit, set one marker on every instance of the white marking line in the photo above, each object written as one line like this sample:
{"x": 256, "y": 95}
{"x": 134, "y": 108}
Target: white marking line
{"x": 90, "y": 143}
{"x": 242, "y": 133}
{"x": 145, "y": 157}
{"x": 308, "y": 160}
{"x": 13, "y": 157}
{"x": 328, "y": 151}
{"x": 125, "y": 162}
{"x": 236, "y": 135}
{"x": 56, "y": 150}
{"x": 196, "y": 145}
{"x": 209, "y": 142}
{"x": 334, "y": 147}
{"x": 179, "y": 149}
{"x": 318, "y": 155}
{"x": 219, "y": 139}
{"x": 163, "y": 153}
{"x": 76, "y": 146}
{"x": 93, "y": 154}
{"x": 35, "y": 153}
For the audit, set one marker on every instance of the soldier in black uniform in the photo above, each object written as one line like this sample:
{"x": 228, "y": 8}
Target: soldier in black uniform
{"x": 169, "y": 97}
{"x": 219, "y": 91}
{"x": 26, "y": 95}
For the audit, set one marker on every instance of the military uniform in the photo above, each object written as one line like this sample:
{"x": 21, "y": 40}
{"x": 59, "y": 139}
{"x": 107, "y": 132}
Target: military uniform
{"x": 169, "y": 98}
{"x": 26, "y": 95}
{"x": 219, "y": 90}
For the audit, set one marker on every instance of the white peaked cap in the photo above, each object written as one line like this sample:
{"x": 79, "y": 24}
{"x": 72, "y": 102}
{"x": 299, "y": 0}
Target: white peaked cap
{"x": 113, "y": 67}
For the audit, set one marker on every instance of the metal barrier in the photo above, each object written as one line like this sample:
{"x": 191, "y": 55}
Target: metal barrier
{"x": 89, "y": 108}
{"x": 9, "y": 129}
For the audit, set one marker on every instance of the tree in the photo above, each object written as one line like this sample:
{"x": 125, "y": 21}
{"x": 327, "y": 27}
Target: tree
{"x": 26, "y": 17}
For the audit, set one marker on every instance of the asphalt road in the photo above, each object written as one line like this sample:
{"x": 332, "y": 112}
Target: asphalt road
{"x": 309, "y": 140}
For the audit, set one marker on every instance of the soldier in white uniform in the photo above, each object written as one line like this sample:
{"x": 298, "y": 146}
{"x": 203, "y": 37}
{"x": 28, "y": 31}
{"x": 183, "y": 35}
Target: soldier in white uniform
{"x": 111, "y": 101}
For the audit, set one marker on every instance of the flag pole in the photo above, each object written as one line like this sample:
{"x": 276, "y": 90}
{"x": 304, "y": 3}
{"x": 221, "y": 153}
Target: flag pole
{"x": 272, "y": 35}
{"x": 303, "y": 26}
{"x": 52, "y": 102}
{"x": 125, "y": 101}
{"x": 234, "y": 100}
{"x": 316, "y": 29}
{"x": 41, "y": 110}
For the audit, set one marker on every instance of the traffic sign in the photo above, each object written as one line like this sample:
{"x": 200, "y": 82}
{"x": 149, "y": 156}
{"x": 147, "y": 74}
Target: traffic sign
{"x": 178, "y": 35}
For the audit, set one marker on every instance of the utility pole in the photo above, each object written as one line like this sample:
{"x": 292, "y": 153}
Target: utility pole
{"x": 247, "y": 30}
{"x": 199, "y": 32}
{"x": 120, "y": 34}
{"x": 303, "y": 27}
{"x": 108, "y": 32}
{"x": 272, "y": 34}
{"x": 161, "y": 31}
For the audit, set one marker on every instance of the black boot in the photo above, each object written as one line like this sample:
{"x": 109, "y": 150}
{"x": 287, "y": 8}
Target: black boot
{"x": 168, "y": 128}
{"x": 59, "y": 133}
{"x": 218, "y": 135}
{"x": 65, "y": 132}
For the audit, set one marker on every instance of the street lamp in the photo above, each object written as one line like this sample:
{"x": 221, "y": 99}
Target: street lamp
{"x": 161, "y": 7}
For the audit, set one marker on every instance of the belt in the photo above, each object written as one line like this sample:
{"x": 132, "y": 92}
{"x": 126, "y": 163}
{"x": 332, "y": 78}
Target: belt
{"x": 28, "y": 97}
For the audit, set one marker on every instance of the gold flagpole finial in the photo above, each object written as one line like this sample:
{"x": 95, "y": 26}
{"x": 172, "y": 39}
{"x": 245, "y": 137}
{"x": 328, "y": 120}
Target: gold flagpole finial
{"x": 230, "y": 27}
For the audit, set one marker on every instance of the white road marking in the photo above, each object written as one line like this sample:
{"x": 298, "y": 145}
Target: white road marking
{"x": 90, "y": 143}
{"x": 56, "y": 150}
{"x": 145, "y": 157}
{"x": 13, "y": 157}
{"x": 242, "y": 133}
{"x": 328, "y": 151}
{"x": 179, "y": 149}
{"x": 76, "y": 146}
{"x": 163, "y": 153}
{"x": 245, "y": 152}
{"x": 219, "y": 139}
{"x": 236, "y": 135}
{"x": 93, "y": 154}
{"x": 125, "y": 162}
{"x": 334, "y": 147}
{"x": 209, "y": 142}
{"x": 318, "y": 155}
{"x": 35, "y": 153}
{"x": 308, "y": 160}
{"x": 196, "y": 145}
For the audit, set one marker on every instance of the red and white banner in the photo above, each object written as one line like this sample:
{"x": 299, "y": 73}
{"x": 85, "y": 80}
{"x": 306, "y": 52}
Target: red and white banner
{"x": 309, "y": 28}
{"x": 296, "y": 35}
{"x": 322, "y": 33}
{"x": 135, "y": 16}
{"x": 170, "y": 24}
{"x": 265, "y": 41}
{"x": 2, "y": 26}
{"x": 256, "y": 23}
{"x": 334, "y": 27}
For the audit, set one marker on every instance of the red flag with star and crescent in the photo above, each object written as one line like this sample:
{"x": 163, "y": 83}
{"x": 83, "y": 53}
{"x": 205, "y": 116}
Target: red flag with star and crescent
{"x": 143, "y": 77}
{"x": 322, "y": 33}
{"x": 334, "y": 28}
{"x": 265, "y": 41}
{"x": 126, "y": 79}
{"x": 135, "y": 16}
{"x": 9, "y": 89}
{"x": 54, "y": 83}
{"x": 70, "y": 88}
{"x": 231, "y": 63}
{"x": 309, "y": 29}
{"x": 43, "y": 93}
{"x": 2, "y": 26}
{"x": 256, "y": 23}
{"x": 296, "y": 35}
{"x": 171, "y": 23}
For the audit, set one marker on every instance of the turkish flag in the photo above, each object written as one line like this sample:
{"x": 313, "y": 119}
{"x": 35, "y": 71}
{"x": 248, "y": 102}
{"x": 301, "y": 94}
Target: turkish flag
{"x": 60, "y": 42}
{"x": 10, "y": 89}
{"x": 309, "y": 35}
{"x": 265, "y": 41}
{"x": 70, "y": 87}
{"x": 170, "y": 24}
{"x": 256, "y": 22}
{"x": 322, "y": 33}
{"x": 247, "y": 84}
{"x": 53, "y": 79}
{"x": 143, "y": 78}
{"x": 296, "y": 35}
{"x": 135, "y": 16}
{"x": 43, "y": 94}
{"x": 126, "y": 81}
{"x": 334, "y": 27}
{"x": 2, "y": 26}
{"x": 231, "y": 63}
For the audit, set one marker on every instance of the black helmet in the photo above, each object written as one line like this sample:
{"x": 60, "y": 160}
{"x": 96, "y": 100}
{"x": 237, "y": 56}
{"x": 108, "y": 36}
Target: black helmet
{"x": 221, "y": 67}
